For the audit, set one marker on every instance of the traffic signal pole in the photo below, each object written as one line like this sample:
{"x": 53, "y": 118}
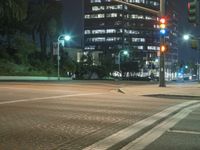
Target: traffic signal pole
{"x": 162, "y": 54}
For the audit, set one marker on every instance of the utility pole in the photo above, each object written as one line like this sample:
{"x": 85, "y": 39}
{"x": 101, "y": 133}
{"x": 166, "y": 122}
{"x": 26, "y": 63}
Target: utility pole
{"x": 162, "y": 54}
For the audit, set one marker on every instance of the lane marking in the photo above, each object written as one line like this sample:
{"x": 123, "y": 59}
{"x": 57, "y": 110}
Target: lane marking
{"x": 112, "y": 140}
{"x": 51, "y": 97}
{"x": 184, "y": 132}
{"x": 150, "y": 136}
{"x": 31, "y": 89}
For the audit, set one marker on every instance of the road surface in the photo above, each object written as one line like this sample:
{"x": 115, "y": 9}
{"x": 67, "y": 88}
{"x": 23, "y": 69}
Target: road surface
{"x": 89, "y": 115}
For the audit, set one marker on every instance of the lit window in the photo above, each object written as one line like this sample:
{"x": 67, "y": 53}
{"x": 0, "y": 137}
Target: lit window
{"x": 138, "y": 39}
{"x": 100, "y": 31}
{"x": 114, "y": 7}
{"x": 98, "y": 8}
{"x": 94, "y": 16}
{"x": 87, "y": 32}
{"x": 111, "y": 15}
{"x": 95, "y": 1}
{"x": 111, "y": 31}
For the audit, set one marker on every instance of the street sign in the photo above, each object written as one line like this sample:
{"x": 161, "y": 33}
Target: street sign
{"x": 55, "y": 48}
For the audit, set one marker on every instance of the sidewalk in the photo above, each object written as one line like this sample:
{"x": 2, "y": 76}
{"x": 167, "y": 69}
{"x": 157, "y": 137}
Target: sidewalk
{"x": 183, "y": 136}
{"x": 192, "y": 89}
{"x": 184, "y": 133}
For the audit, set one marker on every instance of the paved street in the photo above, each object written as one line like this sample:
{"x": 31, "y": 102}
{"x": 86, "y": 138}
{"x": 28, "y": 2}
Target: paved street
{"x": 77, "y": 115}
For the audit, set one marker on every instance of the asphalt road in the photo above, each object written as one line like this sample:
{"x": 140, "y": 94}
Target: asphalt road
{"x": 71, "y": 116}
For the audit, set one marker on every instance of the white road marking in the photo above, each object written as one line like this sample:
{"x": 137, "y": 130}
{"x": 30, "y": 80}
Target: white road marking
{"x": 34, "y": 89}
{"x": 150, "y": 136}
{"x": 184, "y": 132}
{"x": 51, "y": 97}
{"x": 135, "y": 128}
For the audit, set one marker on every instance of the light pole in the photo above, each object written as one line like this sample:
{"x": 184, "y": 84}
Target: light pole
{"x": 125, "y": 52}
{"x": 60, "y": 40}
{"x": 195, "y": 45}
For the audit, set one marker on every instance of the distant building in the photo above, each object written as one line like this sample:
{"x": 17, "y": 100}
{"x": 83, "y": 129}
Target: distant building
{"x": 110, "y": 27}
{"x": 172, "y": 39}
{"x": 96, "y": 57}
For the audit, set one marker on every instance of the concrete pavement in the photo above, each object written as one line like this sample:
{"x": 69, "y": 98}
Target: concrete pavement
{"x": 67, "y": 115}
{"x": 182, "y": 132}
{"x": 185, "y": 135}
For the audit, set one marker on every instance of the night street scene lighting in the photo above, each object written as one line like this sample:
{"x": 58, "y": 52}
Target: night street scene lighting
{"x": 61, "y": 40}
{"x": 99, "y": 74}
{"x": 121, "y": 52}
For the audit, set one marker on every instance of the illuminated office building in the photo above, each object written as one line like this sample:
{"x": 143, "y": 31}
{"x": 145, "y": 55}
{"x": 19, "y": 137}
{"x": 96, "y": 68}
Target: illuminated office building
{"x": 110, "y": 27}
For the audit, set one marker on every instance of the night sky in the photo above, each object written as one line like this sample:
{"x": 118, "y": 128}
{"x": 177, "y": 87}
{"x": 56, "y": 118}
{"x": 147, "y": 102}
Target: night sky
{"x": 73, "y": 19}
{"x": 73, "y": 23}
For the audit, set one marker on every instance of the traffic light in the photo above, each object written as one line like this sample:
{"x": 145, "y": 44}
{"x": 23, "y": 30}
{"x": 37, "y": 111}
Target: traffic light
{"x": 163, "y": 26}
{"x": 194, "y": 44}
{"x": 193, "y": 11}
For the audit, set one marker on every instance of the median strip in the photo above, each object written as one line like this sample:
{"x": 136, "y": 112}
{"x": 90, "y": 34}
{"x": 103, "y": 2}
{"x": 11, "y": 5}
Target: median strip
{"x": 122, "y": 135}
{"x": 149, "y": 137}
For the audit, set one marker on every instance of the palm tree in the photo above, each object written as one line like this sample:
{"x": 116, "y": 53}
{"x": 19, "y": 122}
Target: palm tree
{"x": 11, "y": 13}
{"x": 42, "y": 16}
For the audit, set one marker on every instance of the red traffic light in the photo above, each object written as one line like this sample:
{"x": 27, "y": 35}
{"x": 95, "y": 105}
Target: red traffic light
{"x": 162, "y": 20}
{"x": 188, "y": 5}
{"x": 163, "y": 26}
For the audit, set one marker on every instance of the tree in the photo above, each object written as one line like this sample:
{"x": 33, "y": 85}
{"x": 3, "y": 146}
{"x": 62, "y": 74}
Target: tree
{"x": 12, "y": 12}
{"x": 42, "y": 21}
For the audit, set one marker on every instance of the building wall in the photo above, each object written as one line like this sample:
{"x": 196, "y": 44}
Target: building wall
{"x": 110, "y": 27}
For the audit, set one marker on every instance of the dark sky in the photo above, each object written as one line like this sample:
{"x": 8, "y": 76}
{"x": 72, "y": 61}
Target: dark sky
{"x": 73, "y": 23}
{"x": 73, "y": 19}
{"x": 186, "y": 54}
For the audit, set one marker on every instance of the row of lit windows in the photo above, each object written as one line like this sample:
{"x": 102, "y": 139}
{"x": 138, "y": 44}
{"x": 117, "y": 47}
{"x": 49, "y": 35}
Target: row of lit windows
{"x": 103, "y": 31}
{"x": 114, "y": 15}
{"x": 91, "y": 47}
{"x": 109, "y": 15}
{"x": 151, "y": 2}
{"x": 99, "y": 1}
{"x": 135, "y": 16}
{"x": 155, "y": 48}
{"x": 112, "y": 39}
{"x": 131, "y": 31}
{"x": 112, "y": 7}
{"x": 140, "y": 47}
{"x": 111, "y": 31}
{"x": 95, "y": 16}
{"x": 135, "y": 1}
{"x": 104, "y": 39}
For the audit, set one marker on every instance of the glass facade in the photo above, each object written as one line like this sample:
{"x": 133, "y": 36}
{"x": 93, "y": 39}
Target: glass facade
{"x": 110, "y": 27}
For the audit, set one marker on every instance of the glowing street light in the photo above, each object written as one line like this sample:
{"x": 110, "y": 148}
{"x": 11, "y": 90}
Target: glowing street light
{"x": 186, "y": 37}
{"x": 60, "y": 40}
{"x": 124, "y": 52}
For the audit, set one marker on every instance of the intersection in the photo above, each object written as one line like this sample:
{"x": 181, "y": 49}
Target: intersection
{"x": 82, "y": 115}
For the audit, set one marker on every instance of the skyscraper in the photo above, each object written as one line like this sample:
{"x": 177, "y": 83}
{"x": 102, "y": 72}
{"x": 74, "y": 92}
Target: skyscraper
{"x": 111, "y": 27}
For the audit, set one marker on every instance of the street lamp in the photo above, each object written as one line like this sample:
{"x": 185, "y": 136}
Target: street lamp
{"x": 186, "y": 37}
{"x": 60, "y": 40}
{"x": 125, "y": 52}
{"x": 195, "y": 45}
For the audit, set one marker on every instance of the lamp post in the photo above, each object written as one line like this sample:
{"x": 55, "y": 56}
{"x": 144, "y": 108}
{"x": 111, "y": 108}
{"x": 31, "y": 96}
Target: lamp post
{"x": 194, "y": 44}
{"x": 125, "y": 52}
{"x": 60, "y": 40}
